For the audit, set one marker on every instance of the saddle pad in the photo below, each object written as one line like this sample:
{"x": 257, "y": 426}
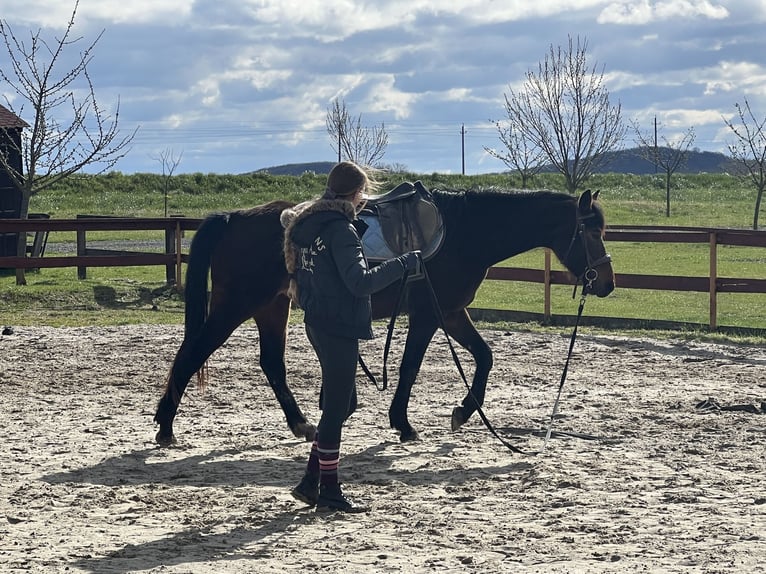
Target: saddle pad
{"x": 388, "y": 237}
{"x": 375, "y": 247}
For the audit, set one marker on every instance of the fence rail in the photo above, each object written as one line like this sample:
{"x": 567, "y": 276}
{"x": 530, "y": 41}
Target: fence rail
{"x": 173, "y": 257}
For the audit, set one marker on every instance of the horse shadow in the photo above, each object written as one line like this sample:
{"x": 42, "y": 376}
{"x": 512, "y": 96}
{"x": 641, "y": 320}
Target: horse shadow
{"x": 212, "y": 468}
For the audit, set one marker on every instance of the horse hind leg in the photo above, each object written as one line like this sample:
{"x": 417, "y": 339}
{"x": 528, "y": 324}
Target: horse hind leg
{"x": 190, "y": 359}
{"x": 272, "y": 331}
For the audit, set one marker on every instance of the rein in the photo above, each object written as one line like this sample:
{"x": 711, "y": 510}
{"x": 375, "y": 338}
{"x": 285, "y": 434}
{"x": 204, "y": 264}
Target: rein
{"x": 455, "y": 358}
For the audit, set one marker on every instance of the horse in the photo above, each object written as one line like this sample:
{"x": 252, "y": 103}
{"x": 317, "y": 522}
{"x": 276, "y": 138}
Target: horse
{"x": 242, "y": 252}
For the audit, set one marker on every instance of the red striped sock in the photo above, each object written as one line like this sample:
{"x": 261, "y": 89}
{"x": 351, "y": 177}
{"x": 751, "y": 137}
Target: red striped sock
{"x": 329, "y": 459}
{"x": 313, "y": 465}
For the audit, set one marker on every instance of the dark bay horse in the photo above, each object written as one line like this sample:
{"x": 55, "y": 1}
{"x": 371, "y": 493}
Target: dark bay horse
{"x": 242, "y": 251}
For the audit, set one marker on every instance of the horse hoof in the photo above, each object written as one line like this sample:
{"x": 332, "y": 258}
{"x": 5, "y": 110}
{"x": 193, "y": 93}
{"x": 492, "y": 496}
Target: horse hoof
{"x": 409, "y": 436}
{"x": 457, "y": 418}
{"x": 306, "y": 431}
{"x": 164, "y": 440}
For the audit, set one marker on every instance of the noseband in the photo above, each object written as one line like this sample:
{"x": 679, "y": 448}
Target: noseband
{"x": 590, "y": 274}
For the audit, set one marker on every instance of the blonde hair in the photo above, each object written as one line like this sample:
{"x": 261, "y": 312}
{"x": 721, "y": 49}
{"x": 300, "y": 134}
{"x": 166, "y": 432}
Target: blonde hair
{"x": 346, "y": 178}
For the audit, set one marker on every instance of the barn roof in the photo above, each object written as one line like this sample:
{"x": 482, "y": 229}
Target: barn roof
{"x": 10, "y": 120}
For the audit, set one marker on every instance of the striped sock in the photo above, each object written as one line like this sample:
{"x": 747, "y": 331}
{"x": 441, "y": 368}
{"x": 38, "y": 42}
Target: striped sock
{"x": 329, "y": 459}
{"x": 313, "y": 465}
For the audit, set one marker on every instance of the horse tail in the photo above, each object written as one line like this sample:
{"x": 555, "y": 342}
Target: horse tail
{"x": 201, "y": 250}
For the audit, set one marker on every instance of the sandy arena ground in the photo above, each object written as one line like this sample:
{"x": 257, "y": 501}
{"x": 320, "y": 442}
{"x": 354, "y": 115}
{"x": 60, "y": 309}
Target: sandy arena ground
{"x": 665, "y": 487}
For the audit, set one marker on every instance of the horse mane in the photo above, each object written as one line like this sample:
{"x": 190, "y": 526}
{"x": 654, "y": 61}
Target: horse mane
{"x": 459, "y": 200}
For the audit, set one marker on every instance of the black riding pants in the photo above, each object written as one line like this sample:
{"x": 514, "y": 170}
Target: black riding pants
{"x": 338, "y": 358}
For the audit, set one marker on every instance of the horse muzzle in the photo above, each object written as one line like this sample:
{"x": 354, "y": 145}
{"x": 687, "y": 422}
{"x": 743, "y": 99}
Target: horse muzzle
{"x": 598, "y": 278}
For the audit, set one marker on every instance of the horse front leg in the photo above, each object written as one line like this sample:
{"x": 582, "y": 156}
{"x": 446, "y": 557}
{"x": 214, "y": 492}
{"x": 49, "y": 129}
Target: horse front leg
{"x": 460, "y": 327}
{"x": 272, "y": 330}
{"x": 418, "y": 338}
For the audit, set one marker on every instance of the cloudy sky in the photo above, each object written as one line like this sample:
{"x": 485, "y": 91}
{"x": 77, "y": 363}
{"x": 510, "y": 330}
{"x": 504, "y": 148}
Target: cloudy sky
{"x": 239, "y": 85}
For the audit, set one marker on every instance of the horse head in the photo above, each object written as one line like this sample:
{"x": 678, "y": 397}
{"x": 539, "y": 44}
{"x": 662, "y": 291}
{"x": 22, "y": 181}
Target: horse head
{"x": 586, "y": 256}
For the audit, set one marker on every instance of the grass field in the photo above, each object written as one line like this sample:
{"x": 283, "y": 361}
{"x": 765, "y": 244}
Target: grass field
{"x": 130, "y": 295}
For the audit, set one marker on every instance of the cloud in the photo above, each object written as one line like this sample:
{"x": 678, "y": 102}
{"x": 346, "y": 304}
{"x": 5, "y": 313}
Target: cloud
{"x": 242, "y": 84}
{"x": 644, "y": 11}
{"x": 56, "y": 14}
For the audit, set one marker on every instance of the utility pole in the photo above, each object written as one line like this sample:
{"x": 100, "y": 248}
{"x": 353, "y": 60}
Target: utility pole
{"x": 462, "y": 144}
{"x": 340, "y": 139}
{"x": 656, "y": 151}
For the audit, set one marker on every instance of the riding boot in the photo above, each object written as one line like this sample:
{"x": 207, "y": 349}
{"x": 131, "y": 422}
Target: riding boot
{"x": 330, "y": 495}
{"x": 331, "y": 498}
{"x": 307, "y": 490}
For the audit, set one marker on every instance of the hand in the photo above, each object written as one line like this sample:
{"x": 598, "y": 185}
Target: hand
{"x": 412, "y": 261}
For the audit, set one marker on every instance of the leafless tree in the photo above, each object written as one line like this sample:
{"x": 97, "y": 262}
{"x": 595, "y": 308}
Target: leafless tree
{"x": 69, "y": 130}
{"x": 520, "y": 154}
{"x": 169, "y": 161}
{"x": 671, "y": 155}
{"x": 563, "y": 108}
{"x": 354, "y": 141}
{"x": 749, "y": 150}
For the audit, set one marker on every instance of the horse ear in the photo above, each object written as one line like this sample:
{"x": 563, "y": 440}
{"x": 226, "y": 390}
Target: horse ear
{"x": 586, "y": 201}
{"x": 595, "y": 195}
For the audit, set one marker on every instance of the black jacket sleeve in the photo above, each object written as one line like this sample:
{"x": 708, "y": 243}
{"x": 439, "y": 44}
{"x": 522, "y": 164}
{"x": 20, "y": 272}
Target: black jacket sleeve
{"x": 346, "y": 249}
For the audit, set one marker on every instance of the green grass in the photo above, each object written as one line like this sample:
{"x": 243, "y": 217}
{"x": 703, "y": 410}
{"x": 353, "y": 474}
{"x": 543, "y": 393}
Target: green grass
{"x": 139, "y": 295}
{"x": 744, "y": 310}
{"x": 109, "y": 296}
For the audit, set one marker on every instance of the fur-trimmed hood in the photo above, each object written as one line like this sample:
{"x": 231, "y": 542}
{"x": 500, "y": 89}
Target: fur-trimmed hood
{"x": 301, "y": 230}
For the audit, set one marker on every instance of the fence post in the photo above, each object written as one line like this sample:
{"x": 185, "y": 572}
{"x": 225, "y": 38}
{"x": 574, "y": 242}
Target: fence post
{"x": 713, "y": 281}
{"x": 82, "y": 272}
{"x": 170, "y": 249}
{"x": 179, "y": 235}
{"x": 547, "y": 286}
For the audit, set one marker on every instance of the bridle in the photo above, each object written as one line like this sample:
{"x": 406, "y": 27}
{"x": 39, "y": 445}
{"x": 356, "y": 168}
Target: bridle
{"x": 590, "y": 273}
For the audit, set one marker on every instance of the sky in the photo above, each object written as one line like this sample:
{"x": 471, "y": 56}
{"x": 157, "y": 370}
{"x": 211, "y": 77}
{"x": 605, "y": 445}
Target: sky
{"x": 233, "y": 86}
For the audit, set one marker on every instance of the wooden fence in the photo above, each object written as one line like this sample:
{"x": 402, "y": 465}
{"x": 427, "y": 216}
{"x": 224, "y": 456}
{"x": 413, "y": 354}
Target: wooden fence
{"x": 173, "y": 257}
{"x": 711, "y": 284}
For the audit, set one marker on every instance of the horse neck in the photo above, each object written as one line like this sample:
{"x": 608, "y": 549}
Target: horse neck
{"x": 523, "y": 221}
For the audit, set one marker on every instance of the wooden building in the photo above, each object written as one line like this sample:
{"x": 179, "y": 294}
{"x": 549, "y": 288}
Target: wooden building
{"x": 11, "y": 127}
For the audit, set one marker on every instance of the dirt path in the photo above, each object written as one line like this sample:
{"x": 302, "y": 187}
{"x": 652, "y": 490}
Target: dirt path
{"x": 667, "y": 487}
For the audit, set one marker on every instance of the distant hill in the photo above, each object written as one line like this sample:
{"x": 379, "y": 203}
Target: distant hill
{"x": 622, "y": 161}
{"x": 322, "y": 167}
{"x": 630, "y": 161}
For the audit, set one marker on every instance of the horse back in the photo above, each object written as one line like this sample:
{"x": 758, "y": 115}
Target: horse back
{"x": 249, "y": 256}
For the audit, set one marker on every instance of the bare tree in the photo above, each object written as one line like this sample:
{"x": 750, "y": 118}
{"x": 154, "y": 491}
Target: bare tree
{"x": 749, "y": 151}
{"x": 520, "y": 154}
{"x": 563, "y": 108}
{"x": 69, "y": 129}
{"x": 353, "y": 140}
{"x": 669, "y": 157}
{"x": 168, "y": 161}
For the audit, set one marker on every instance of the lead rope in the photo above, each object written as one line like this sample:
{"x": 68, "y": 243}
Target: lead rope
{"x": 590, "y": 275}
{"x": 455, "y": 358}
{"x": 564, "y": 372}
